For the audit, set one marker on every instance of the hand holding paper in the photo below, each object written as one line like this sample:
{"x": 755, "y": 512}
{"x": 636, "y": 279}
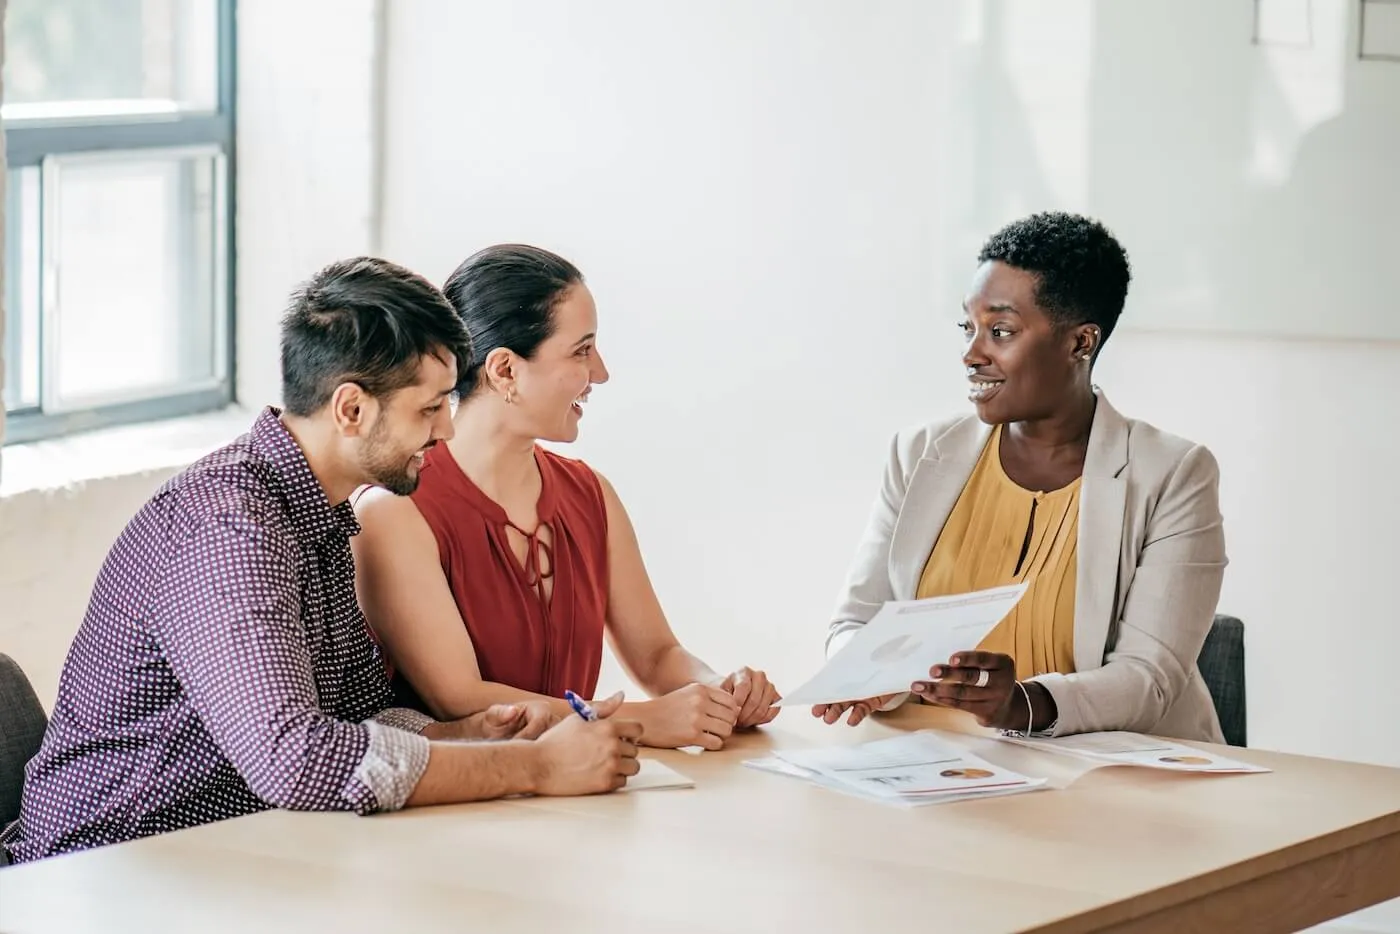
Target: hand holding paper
{"x": 902, "y": 641}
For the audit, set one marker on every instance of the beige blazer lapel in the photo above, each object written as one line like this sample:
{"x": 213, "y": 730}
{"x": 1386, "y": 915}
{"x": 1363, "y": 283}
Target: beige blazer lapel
{"x": 1102, "y": 502}
{"x": 934, "y": 488}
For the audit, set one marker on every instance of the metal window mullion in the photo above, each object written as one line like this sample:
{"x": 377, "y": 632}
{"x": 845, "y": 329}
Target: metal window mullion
{"x": 223, "y": 270}
{"x": 31, "y": 145}
{"x": 49, "y": 308}
{"x": 31, "y": 425}
{"x": 14, "y": 344}
{"x": 228, "y": 109}
{"x": 51, "y": 299}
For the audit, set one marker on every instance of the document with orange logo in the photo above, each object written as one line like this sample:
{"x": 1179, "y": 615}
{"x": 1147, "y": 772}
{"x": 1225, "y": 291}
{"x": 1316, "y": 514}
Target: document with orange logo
{"x": 902, "y": 642}
{"x": 914, "y": 769}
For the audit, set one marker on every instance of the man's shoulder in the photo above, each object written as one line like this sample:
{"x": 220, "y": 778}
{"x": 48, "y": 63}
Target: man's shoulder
{"x": 232, "y": 483}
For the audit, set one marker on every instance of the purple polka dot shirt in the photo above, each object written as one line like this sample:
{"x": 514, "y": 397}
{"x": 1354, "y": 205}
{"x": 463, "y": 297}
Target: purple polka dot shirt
{"x": 223, "y": 667}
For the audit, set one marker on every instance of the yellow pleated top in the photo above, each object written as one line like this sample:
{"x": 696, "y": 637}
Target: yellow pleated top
{"x": 998, "y": 534}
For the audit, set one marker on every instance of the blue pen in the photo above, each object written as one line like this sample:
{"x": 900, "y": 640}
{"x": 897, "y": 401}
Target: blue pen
{"x": 581, "y": 706}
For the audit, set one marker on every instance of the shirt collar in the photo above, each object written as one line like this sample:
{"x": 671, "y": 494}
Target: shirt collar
{"x": 311, "y": 513}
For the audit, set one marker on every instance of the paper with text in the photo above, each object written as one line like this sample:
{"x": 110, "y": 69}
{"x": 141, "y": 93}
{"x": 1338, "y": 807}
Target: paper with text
{"x": 656, "y": 774}
{"x": 1120, "y": 748}
{"x": 902, "y": 642}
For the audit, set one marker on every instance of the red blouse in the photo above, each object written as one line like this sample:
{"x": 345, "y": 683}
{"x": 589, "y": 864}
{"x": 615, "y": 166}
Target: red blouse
{"x": 521, "y": 639}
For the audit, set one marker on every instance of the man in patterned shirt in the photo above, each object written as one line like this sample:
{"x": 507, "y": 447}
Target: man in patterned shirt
{"x": 224, "y": 667}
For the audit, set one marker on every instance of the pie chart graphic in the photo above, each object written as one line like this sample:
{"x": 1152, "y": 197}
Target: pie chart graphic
{"x": 895, "y": 649}
{"x": 971, "y": 774}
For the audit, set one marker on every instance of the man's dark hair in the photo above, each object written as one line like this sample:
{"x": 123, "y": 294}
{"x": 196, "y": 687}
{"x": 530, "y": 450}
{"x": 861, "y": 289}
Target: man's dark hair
{"x": 1083, "y": 271}
{"x": 366, "y": 321}
{"x": 505, "y": 294}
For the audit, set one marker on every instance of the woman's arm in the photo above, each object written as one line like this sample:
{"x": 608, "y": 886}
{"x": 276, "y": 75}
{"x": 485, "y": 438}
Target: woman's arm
{"x": 408, "y": 603}
{"x": 1167, "y": 612}
{"x": 653, "y": 657}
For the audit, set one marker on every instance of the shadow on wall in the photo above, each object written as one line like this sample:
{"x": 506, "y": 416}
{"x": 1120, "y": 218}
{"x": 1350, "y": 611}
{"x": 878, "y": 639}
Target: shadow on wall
{"x": 1260, "y": 181}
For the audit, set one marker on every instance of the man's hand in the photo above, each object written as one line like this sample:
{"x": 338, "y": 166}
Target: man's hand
{"x": 521, "y": 720}
{"x": 754, "y": 694}
{"x": 695, "y": 715}
{"x": 860, "y": 709}
{"x": 582, "y": 758}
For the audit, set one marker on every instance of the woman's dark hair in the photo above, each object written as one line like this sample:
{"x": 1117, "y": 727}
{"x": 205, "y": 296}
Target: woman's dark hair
{"x": 366, "y": 321}
{"x": 505, "y": 295}
{"x": 1083, "y": 270}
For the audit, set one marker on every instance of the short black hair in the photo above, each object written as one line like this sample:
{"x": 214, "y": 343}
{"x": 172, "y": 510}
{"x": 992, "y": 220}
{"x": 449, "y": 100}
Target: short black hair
{"x": 505, "y": 295}
{"x": 366, "y": 321}
{"x": 1082, "y": 269}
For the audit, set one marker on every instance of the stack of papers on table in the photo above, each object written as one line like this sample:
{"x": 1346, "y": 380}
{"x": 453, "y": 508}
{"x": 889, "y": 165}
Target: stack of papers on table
{"x": 919, "y": 768}
{"x": 1119, "y": 748}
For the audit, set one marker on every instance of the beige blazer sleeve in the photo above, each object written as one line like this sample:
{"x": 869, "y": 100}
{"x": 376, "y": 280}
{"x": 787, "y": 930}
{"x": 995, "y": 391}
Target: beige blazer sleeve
{"x": 1165, "y": 608}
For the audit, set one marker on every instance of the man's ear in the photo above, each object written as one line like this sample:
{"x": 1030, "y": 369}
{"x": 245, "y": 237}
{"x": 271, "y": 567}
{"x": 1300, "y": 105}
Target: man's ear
{"x": 352, "y": 410}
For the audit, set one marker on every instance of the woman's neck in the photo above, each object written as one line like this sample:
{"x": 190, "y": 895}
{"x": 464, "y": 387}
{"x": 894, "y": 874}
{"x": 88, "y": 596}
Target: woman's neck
{"x": 1067, "y": 429}
{"x": 499, "y": 461}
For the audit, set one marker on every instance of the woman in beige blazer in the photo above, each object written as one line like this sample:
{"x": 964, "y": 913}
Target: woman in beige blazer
{"x": 1114, "y": 524}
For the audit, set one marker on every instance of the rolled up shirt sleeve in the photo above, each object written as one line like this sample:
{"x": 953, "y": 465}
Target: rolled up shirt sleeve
{"x": 228, "y": 618}
{"x": 401, "y": 718}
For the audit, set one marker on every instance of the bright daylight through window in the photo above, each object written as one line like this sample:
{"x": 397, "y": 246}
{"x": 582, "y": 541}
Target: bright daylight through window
{"x": 118, "y": 245}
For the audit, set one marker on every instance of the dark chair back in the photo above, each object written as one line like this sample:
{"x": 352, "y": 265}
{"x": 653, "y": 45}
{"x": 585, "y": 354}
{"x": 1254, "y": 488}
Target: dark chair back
{"x": 22, "y": 725}
{"x": 1222, "y": 668}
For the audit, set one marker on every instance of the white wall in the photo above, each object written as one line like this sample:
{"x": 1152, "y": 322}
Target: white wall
{"x": 307, "y": 150}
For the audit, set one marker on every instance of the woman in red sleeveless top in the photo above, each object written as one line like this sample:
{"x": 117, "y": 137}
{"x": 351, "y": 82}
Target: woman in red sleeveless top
{"x": 498, "y": 579}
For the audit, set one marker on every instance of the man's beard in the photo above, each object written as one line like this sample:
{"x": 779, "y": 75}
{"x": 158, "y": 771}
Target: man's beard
{"x": 384, "y": 467}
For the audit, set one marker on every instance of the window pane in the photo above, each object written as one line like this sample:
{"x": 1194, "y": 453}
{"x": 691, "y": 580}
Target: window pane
{"x": 66, "y": 58}
{"x": 22, "y": 273}
{"x": 136, "y": 253}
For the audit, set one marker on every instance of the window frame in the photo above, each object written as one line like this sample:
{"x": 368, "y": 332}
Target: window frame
{"x": 30, "y": 143}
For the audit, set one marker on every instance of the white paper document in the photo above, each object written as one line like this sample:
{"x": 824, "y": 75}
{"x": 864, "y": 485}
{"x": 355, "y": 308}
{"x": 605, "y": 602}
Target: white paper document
{"x": 915, "y": 769}
{"x": 1118, "y": 748}
{"x": 656, "y": 774}
{"x": 902, "y": 642}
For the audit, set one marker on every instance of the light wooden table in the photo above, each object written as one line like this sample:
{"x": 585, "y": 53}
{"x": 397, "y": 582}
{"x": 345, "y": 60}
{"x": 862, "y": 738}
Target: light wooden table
{"x": 1110, "y": 849}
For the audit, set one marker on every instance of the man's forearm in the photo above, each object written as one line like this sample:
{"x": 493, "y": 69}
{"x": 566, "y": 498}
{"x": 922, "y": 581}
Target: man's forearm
{"x": 479, "y": 696}
{"x": 472, "y": 728}
{"x": 459, "y": 772}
